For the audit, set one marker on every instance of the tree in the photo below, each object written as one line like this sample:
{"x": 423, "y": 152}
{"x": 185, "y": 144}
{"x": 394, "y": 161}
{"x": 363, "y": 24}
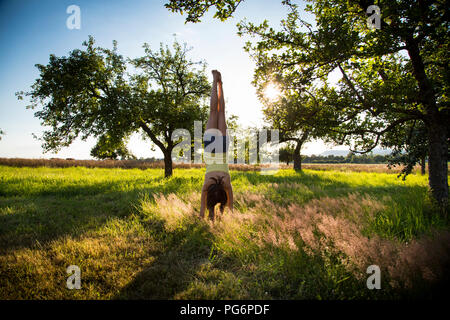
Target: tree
{"x": 171, "y": 93}
{"x": 284, "y": 116}
{"x": 1, "y": 133}
{"x": 109, "y": 148}
{"x": 89, "y": 93}
{"x": 297, "y": 115}
{"x": 391, "y": 76}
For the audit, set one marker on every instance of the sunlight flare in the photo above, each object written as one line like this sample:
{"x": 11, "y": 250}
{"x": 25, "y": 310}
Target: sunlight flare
{"x": 272, "y": 92}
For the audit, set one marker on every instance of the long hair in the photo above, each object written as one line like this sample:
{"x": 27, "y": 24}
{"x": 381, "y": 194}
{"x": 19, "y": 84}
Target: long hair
{"x": 216, "y": 194}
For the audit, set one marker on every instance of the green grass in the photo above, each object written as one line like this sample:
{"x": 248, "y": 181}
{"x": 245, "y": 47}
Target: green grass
{"x": 130, "y": 242}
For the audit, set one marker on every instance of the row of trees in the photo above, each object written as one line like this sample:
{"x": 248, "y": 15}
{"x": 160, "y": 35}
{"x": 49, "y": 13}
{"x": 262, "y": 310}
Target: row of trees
{"x": 287, "y": 156}
{"x": 394, "y": 86}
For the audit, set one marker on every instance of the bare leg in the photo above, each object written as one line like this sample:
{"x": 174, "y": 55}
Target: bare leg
{"x": 214, "y": 102}
{"x": 221, "y": 123}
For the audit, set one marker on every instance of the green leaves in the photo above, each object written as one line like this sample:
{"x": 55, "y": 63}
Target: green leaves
{"x": 378, "y": 89}
{"x": 171, "y": 89}
{"x": 111, "y": 147}
{"x": 196, "y": 9}
{"x": 79, "y": 94}
{"x": 390, "y": 79}
{"x": 90, "y": 93}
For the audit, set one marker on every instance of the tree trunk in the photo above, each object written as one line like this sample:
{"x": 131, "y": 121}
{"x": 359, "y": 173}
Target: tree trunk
{"x": 298, "y": 157}
{"x": 422, "y": 165}
{"x": 168, "y": 164}
{"x": 166, "y": 151}
{"x": 437, "y": 163}
{"x": 436, "y": 126}
{"x": 298, "y": 148}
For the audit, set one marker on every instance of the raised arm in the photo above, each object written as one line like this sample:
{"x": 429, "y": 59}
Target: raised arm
{"x": 231, "y": 201}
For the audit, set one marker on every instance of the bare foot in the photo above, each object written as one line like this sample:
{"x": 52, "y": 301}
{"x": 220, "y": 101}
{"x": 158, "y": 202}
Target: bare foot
{"x": 217, "y": 76}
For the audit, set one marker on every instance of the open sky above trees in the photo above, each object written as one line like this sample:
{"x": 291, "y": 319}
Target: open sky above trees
{"x": 32, "y": 30}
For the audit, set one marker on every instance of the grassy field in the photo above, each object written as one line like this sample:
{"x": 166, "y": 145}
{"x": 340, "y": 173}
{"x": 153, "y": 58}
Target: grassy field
{"x": 136, "y": 235}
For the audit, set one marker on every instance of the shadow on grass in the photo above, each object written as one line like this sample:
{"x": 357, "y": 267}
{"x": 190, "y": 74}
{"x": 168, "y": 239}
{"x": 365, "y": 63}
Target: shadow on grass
{"x": 21, "y": 187}
{"x": 186, "y": 249}
{"x": 193, "y": 265}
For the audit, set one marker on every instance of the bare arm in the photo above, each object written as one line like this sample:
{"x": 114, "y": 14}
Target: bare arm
{"x": 229, "y": 190}
{"x": 204, "y": 191}
{"x": 203, "y": 203}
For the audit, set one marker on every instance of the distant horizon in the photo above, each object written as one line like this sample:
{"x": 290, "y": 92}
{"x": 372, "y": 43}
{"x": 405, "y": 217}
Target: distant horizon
{"x": 335, "y": 152}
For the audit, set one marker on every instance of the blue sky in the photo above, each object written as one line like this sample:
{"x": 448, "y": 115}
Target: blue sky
{"x": 30, "y": 30}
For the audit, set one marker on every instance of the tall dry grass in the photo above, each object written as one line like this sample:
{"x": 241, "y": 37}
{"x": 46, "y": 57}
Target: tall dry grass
{"x": 320, "y": 226}
{"x": 337, "y": 224}
{"x": 146, "y": 164}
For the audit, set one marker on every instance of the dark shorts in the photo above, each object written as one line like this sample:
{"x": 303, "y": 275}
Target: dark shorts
{"x": 208, "y": 139}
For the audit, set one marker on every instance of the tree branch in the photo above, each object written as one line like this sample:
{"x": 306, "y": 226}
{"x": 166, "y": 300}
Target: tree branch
{"x": 152, "y": 136}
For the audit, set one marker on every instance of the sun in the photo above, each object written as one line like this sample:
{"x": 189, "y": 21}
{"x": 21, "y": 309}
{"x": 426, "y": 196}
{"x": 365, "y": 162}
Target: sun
{"x": 272, "y": 92}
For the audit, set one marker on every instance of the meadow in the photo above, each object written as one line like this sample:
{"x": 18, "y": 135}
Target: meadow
{"x": 292, "y": 235}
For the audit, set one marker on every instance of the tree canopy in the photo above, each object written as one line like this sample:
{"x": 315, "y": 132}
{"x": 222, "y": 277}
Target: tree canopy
{"x": 196, "y": 9}
{"x": 90, "y": 93}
